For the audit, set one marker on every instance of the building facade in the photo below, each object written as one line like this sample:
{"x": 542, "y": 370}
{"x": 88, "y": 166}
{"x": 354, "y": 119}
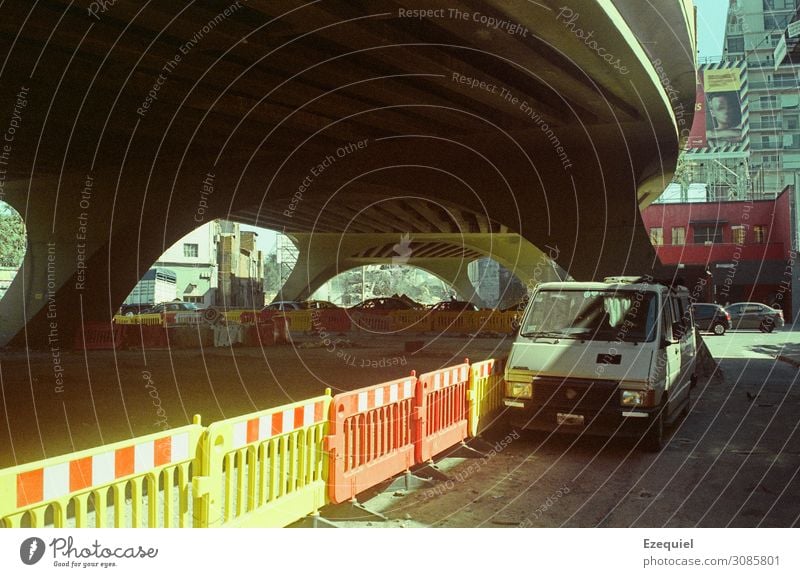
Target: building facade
{"x": 740, "y": 249}
{"x": 217, "y": 264}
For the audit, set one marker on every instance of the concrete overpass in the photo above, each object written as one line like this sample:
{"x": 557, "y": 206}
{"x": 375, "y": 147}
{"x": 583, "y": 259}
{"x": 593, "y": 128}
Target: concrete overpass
{"x": 126, "y": 126}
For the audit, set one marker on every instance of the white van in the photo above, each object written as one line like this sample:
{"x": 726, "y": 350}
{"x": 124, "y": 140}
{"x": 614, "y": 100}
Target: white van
{"x": 612, "y": 358}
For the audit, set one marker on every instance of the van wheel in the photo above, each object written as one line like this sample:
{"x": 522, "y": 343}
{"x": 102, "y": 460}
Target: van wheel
{"x": 767, "y": 326}
{"x": 718, "y": 329}
{"x": 653, "y": 439}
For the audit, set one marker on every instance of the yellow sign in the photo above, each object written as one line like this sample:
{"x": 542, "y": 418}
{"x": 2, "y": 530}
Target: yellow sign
{"x": 722, "y": 80}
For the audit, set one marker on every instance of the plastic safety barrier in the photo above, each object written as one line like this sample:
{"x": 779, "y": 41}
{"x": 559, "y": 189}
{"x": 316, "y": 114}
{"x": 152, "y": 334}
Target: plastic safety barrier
{"x": 486, "y": 391}
{"x": 145, "y": 319}
{"x": 495, "y": 321}
{"x": 371, "y": 436}
{"x": 141, "y": 482}
{"x": 330, "y": 321}
{"x": 442, "y": 401}
{"x": 412, "y": 320}
{"x": 146, "y": 336}
{"x": 299, "y": 321}
{"x": 97, "y": 336}
{"x": 265, "y": 469}
{"x": 372, "y": 322}
{"x": 455, "y": 322}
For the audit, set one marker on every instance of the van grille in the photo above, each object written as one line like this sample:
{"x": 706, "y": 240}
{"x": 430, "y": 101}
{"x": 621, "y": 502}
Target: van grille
{"x": 576, "y": 394}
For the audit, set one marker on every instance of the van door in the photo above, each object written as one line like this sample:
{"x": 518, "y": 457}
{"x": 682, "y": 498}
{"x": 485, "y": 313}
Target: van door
{"x": 672, "y": 349}
{"x": 682, "y": 323}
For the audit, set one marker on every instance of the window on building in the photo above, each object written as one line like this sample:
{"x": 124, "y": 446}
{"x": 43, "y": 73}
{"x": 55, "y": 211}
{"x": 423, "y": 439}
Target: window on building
{"x": 769, "y": 121}
{"x": 707, "y": 233}
{"x": 767, "y": 102}
{"x": 678, "y": 235}
{"x": 189, "y": 250}
{"x": 778, "y": 4}
{"x": 657, "y": 236}
{"x": 738, "y": 234}
{"x": 736, "y": 44}
{"x": 792, "y": 122}
{"x": 760, "y": 234}
{"x": 776, "y": 22}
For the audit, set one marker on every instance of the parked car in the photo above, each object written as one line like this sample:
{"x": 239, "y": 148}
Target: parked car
{"x": 754, "y": 316}
{"x": 284, "y": 306}
{"x": 318, "y": 305}
{"x": 175, "y": 306}
{"x": 710, "y": 317}
{"x": 384, "y": 304}
{"x": 131, "y": 310}
{"x": 454, "y": 306}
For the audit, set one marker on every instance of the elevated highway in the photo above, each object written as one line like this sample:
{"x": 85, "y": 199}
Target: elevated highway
{"x": 127, "y": 125}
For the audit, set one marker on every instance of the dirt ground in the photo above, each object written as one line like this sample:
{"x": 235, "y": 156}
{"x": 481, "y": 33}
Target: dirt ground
{"x": 108, "y": 396}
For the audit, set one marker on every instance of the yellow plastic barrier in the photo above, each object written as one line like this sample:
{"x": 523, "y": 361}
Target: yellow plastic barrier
{"x": 142, "y": 482}
{"x": 495, "y": 321}
{"x": 299, "y": 321}
{"x": 413, "y": 320}
{"x": 485, "y": 393}
{"x": 455, "y": 322}
{"x": 265, "y": 469}
{"x": 146, "y": 319}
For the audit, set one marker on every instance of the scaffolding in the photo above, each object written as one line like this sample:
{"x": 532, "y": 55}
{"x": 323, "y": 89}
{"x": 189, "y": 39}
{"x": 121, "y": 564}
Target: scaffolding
{"x": 287, "y": 256}
{"x": 725, "y": 177}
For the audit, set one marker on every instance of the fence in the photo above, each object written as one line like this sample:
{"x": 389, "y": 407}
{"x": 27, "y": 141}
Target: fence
{"x": 264, "y": 469}
{"x": 485, "y": 395}
{"x": 371, "y": 436}
{"x": 143, "y": 482}
{"x": 442, "y": 401}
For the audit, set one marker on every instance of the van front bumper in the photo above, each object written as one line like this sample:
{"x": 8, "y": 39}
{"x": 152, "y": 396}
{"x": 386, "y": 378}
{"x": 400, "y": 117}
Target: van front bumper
{"x": 568, "y": 418}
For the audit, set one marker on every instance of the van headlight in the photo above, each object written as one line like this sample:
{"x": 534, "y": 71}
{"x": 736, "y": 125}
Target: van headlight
{"x": 519, "y": 390}
{"x": 636, "y": 398}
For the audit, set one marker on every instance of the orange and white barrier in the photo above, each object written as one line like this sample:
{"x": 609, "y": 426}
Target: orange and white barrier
{"x": 265, "y": 469}
{"x": 371, "y": 436}
{"x": 442, "y": 401}
{"x": 136, "y": 483}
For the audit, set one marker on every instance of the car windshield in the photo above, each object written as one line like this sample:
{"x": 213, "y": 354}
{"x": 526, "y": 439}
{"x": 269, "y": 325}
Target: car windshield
{"x": 607, "y": 315}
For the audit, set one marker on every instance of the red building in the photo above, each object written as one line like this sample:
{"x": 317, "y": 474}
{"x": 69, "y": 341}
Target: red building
{"x": 744, "y": 245}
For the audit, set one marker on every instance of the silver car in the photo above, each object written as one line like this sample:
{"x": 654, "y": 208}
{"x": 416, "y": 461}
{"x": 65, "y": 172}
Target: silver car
{"x": 755, "y": 316}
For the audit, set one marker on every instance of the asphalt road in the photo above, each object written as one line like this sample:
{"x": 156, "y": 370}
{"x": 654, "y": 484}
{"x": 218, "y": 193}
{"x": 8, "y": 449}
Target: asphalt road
{"x": 733, "y": 461}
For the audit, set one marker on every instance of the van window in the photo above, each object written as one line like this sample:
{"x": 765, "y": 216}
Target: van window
{"x": 607, "y": 315}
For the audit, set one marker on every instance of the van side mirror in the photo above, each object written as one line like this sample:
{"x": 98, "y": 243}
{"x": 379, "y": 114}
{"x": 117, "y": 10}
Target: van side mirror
{"x": 678, "y": 331}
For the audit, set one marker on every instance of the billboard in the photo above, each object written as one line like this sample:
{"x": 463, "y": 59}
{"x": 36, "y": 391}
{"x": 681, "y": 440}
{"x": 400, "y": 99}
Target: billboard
{"x": 721, "y": 111}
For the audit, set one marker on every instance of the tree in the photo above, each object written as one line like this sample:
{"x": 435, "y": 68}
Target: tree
{"x": 12, "y": 238}
{"x": 272, "y": 273}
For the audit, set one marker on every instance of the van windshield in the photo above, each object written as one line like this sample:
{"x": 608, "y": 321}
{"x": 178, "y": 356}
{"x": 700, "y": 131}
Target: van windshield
{"x": 604, "y": 315}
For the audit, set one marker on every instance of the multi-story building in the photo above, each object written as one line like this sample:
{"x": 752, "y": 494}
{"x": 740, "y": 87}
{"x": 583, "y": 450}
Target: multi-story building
{"x": 217, "y": 264}
{"x": 732, "y": 250}
{"x": 755, "y": 32}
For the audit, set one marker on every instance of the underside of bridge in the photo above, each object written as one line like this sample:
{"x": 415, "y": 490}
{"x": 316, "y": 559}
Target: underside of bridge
{"x": 492, "y": 126}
